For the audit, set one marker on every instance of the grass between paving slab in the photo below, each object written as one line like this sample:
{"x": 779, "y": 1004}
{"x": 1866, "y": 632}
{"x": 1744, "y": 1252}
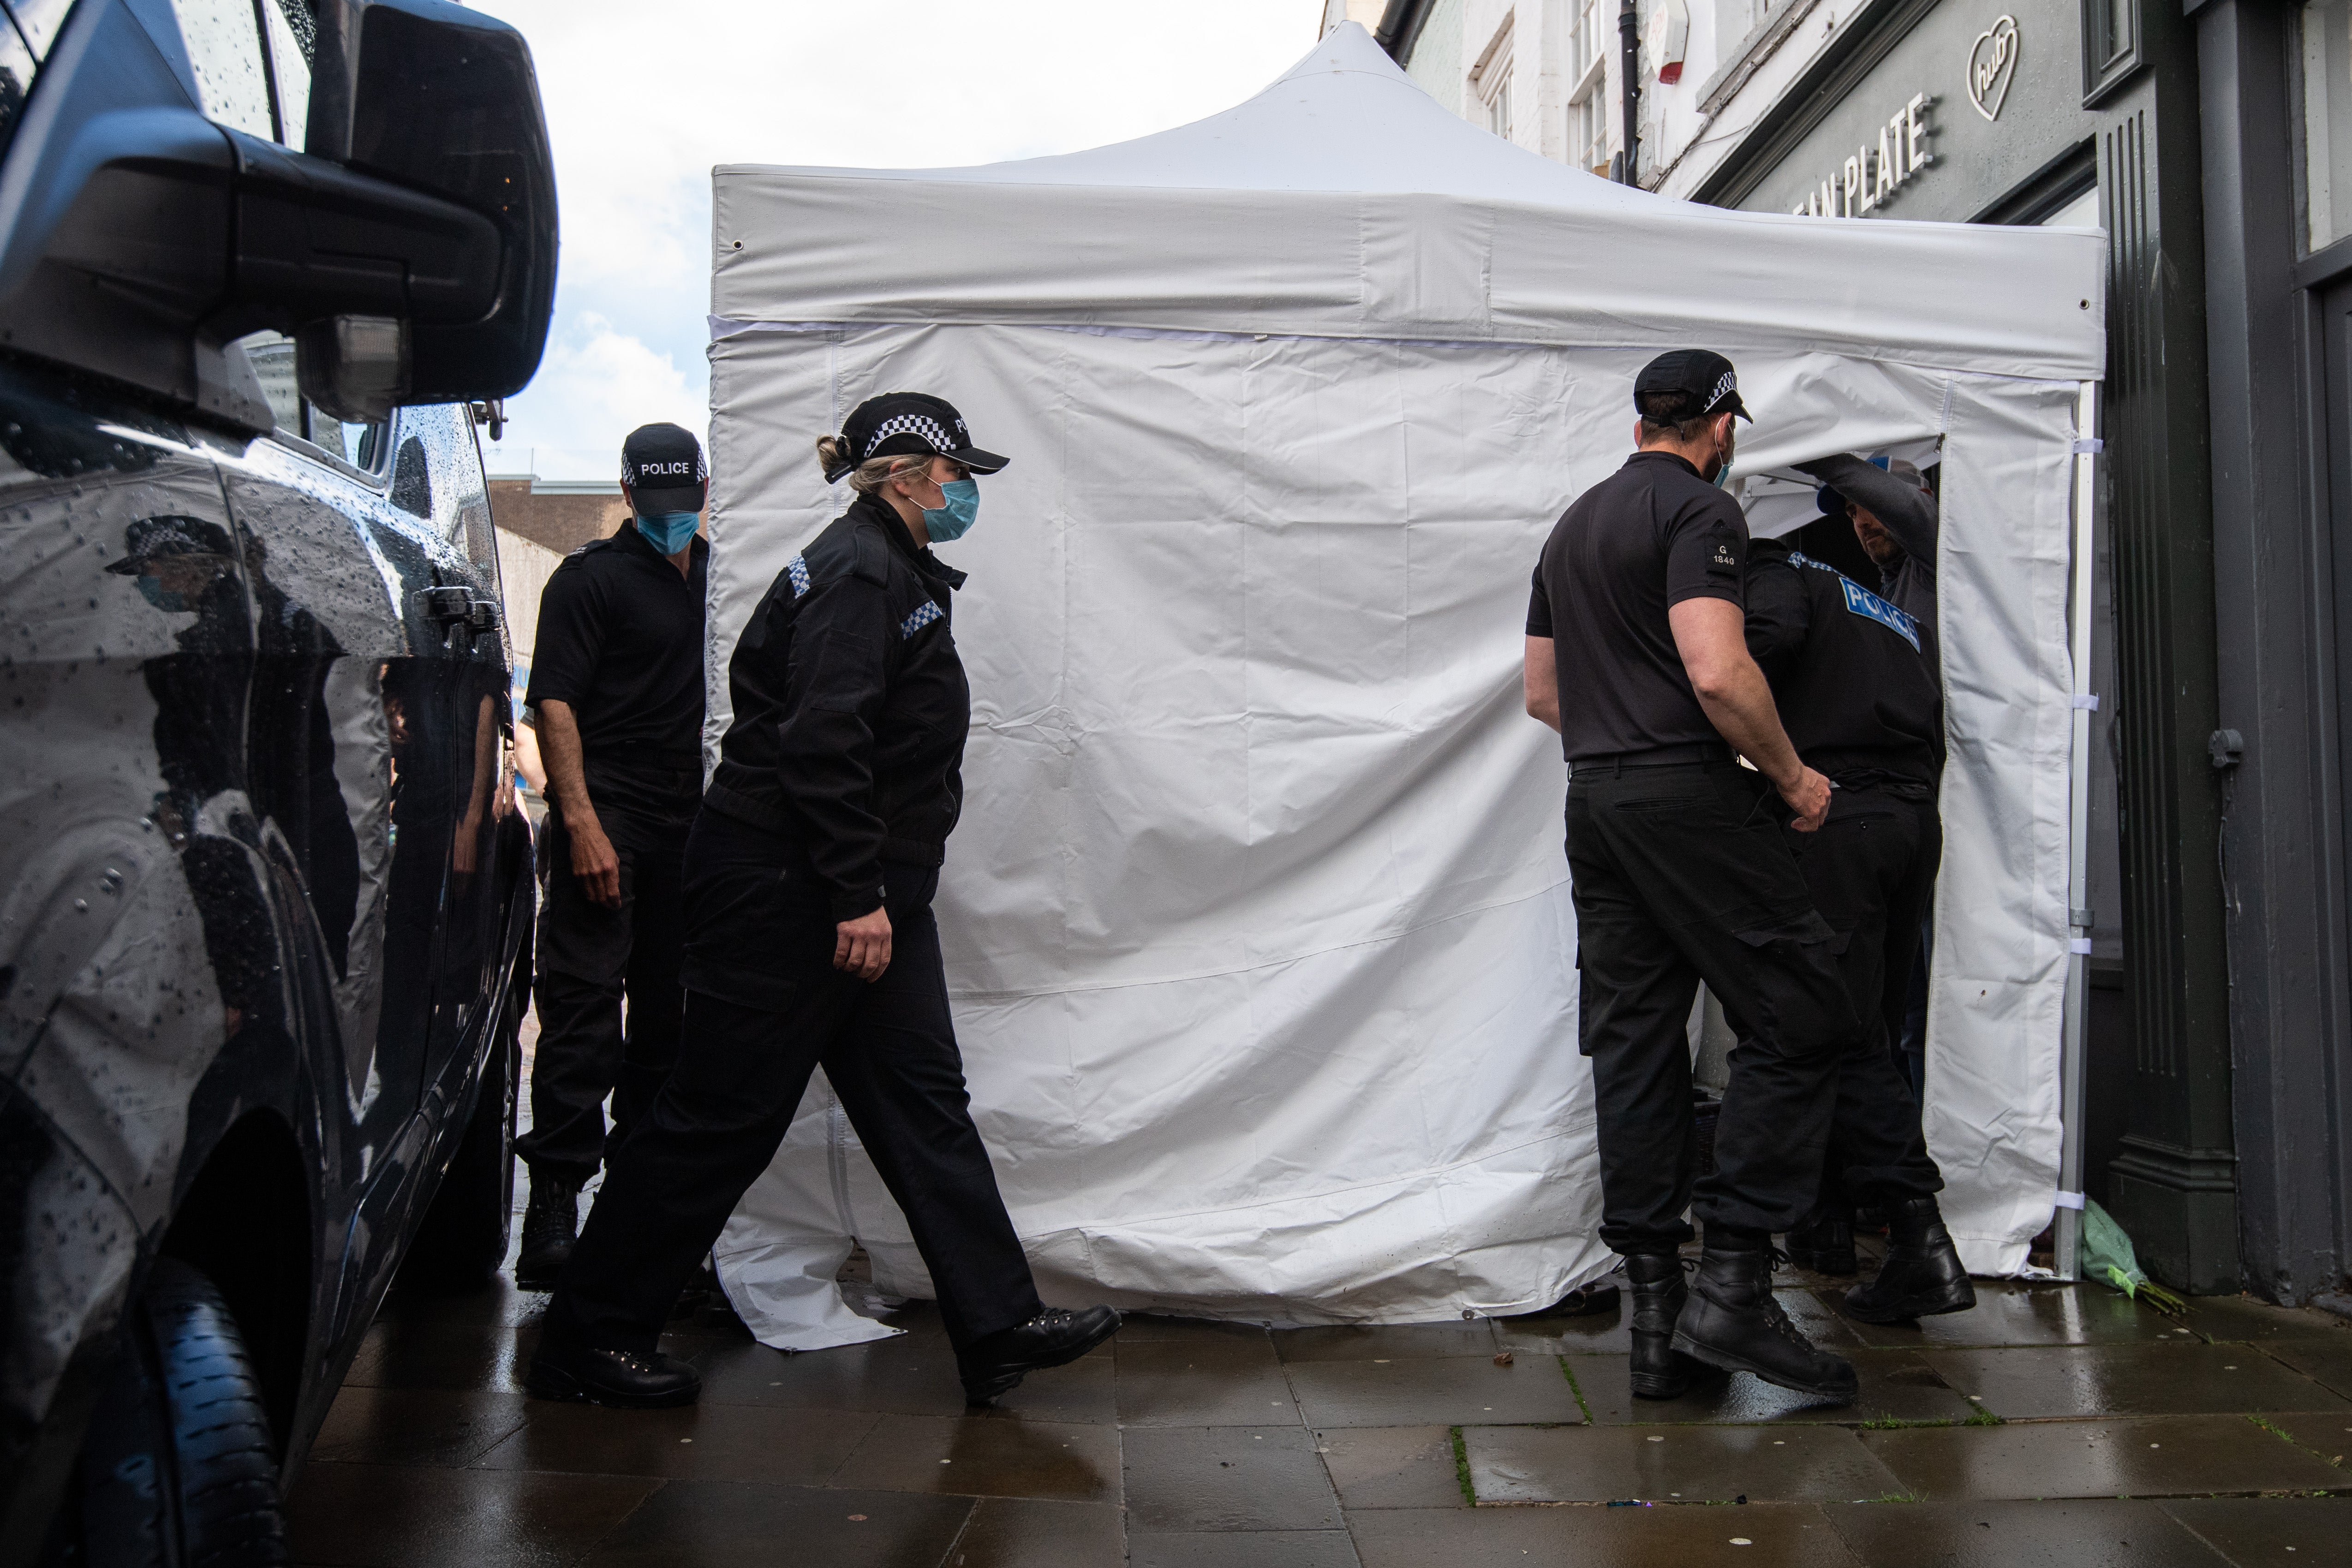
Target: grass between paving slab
{"x": 1981, "y": 1417}
{"x": 1462, "y": 1466}
{"x": 1576, "y": 1388}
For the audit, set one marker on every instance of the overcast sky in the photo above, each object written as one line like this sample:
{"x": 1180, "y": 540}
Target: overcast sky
{"x": 642, "y": 99}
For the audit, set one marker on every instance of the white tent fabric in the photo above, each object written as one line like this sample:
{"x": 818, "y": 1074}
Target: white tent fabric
{"x": 1258, "y": 927}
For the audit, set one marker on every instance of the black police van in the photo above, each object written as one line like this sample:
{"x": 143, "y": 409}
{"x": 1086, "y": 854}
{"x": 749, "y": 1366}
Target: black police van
{"x": 263, "y": 890}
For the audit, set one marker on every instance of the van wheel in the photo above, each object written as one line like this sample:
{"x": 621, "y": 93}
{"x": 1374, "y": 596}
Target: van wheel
{"x": 179, "y": 1466}
{"x": 463, "y": 1238}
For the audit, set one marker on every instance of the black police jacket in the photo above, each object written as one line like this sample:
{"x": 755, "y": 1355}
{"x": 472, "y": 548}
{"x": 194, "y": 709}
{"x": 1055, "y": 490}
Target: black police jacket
{"x": 1850, "y": 673}
{"x": 850, "y": 707}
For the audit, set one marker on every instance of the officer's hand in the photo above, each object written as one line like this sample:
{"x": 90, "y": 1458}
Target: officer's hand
{"x": 595, "y": 864}
{"x": 862, "y": 947}
{"x": 1808, "y": 797}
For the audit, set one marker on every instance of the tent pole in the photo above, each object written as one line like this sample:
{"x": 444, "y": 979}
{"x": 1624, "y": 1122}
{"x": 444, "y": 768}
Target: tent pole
{"x": 2079, "y": 914}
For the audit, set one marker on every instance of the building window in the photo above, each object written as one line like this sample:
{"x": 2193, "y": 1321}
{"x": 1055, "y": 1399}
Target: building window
{"x": 2326, "y": 121}
{"x": 1490, "y": 81}
{"x": 2110, "y": 47}
{"x": 1587, "y": 93}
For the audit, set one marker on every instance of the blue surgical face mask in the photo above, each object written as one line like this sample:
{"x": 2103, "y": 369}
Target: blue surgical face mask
{"x": 668, "y": 531}
{"x": 1723, "y": 462}
{"x": 152, "y": 590}
{"x": 953, "y": 519}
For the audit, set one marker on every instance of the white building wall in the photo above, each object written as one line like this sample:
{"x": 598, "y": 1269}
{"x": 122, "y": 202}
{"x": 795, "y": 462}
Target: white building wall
{"x": 1437, "y": 62}
{"x": 524, "y": 567}
{"x": 1469, "y": 49}
{"x": 1740, "y": 58}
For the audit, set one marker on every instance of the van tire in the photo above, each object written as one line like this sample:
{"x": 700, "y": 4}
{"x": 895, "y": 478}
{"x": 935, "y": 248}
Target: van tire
{"x": 180, "y": 1468}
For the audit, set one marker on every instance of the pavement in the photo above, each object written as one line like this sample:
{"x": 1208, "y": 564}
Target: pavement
{"x": 2053, "y": 1424}
{"x": 2058, "y": 1423}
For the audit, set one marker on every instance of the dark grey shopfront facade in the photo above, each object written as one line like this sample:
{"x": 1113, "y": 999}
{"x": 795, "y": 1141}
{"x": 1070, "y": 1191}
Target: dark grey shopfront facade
{"x": 2213, "y": 141}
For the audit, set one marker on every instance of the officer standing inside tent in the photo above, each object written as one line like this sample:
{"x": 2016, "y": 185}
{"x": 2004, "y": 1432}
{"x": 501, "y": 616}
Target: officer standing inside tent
{"x": 1636, "y": 654}
{"x": 1863, "y": 707}
{"x": 1895, "y": 519}
{"x": 616, "y": 698}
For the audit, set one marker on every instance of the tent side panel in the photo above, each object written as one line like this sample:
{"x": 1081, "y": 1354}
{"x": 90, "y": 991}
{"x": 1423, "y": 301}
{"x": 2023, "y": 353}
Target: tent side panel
{"x": 1999, "y": 989}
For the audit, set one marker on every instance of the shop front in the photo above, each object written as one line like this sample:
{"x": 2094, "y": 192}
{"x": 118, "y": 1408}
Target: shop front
{"x": 2215, "y": 909}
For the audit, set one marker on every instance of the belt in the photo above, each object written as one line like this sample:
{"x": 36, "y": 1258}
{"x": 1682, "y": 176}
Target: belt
{"x": 1696, "y": 752}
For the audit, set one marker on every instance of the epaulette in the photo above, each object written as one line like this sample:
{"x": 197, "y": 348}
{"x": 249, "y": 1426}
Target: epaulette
{"x": 605, "y": 543}
{"x": 870, "y": 554}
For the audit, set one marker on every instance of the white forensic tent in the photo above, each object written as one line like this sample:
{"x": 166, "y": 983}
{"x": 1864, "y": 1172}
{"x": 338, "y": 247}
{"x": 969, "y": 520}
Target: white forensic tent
{"x": 1257, "y": 924}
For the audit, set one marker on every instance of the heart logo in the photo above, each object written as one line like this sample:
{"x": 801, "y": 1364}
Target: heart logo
{"x": 1992, "y": 62}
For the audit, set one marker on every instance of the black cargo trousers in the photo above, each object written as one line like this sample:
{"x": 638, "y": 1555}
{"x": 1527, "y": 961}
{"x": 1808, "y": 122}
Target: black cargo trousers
{"x": 591, "y": 960}
{"x": 1681, "y": 873}
{"x": 764, "y": 1007}
{"x": 1871, "y": 871}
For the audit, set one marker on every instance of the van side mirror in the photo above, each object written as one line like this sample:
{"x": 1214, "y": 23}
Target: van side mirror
{"x": 443, "y": 99}
{"x": 139, "y": 239}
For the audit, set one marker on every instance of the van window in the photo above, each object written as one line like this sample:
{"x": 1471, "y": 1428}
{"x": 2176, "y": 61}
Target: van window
{"x": 293, "y": 39}
{"x": 272, "y": 354}
{"x": 17, "y": 68}
{"x": 224, "y": 39}
{"x": 39, "y": 20}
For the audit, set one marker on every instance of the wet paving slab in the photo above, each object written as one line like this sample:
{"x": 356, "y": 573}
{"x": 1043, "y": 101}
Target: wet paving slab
{"x": 1067, "y": 1463}
{"x": 1454, "y": 1390}
{"x": 1022, "y": 1533}
{"x": 1207, "y": 1381}
{"x": 1767, "y": 1536}
{"x": 2018, "y": 1312}
{"x": 1674, "y": 1464}
{"x": 717, "y": 1524}
{"x": 389, "y": 1516}
{"x": 2327, "y": 1433}
{"x": 2102, "y": 1533}
{"x": 1194, "y": 1479}
{"x": 1393, "y": 1467}
{"x": 2130, "y": 1380}
{"x": 2161, "y": 1456}
{"x": 2270, "y": 1532}
{"x": 2327, "y": 1362}
{"x": 2245, "y": 1318}
{"x": 416, "y": 1426}
{"x": 910, "y": 1376}
{"x": 2129, "y": 1437}
{"x": 1895, "y": 1386}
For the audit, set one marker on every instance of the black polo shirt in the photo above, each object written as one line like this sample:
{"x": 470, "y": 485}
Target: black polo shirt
{"x": 620, "y": 642}
{"x": 1650, "y": 536}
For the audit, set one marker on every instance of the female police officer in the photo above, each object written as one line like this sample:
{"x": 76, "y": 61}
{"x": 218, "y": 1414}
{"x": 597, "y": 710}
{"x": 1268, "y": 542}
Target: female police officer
{"x": 809, "y": 938}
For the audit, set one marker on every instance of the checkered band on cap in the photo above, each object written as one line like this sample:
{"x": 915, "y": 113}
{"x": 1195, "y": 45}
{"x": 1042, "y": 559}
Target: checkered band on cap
{"x": 1728, "y": 384}
{"x": 921, "y": 424}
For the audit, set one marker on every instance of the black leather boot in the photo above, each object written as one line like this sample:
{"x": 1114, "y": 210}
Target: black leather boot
{"x": 1825, "y": 1242}
{"x": 996, "y": 1363}
{"x": 1659, "y": 1371}
{"x": 1732, "y": 1321}
{"x": 550, "y": 1226}
{"x": 616, "y": 1377}
{"x": 1922, "y": 1275}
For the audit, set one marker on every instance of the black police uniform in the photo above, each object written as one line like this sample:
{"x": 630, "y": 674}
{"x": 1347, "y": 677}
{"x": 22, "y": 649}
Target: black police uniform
{"x": 620, "y": 642}
{"x": 1913, "y": 518}
{"x": 1681, "y": 873}
{"x": 838, "y": 782}
{"x": 1862, "y": 706}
